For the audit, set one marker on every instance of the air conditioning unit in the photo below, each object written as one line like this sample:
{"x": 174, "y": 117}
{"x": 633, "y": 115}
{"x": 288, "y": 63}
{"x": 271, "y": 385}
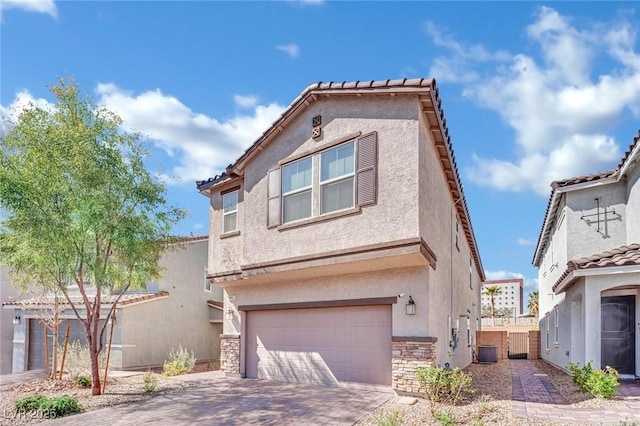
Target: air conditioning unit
{"x": 487, "y": 354}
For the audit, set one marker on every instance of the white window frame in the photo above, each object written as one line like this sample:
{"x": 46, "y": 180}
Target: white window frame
{"x": 557, "y": 328}
{"x": 296, "y": 191}
{"x": 457, "y": 233}
{"x": 207, "y": 284}
{"x": 547, "y": 333}
{"x": 225, "y": 214}
{"x": 346, "y": 176}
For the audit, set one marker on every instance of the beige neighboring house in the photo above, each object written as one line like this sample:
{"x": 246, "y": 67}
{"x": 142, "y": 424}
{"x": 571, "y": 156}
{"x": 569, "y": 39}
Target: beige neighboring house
{"x": 182, "y": 308}
{"x": 588, "y": 259}
{"x": 343, "y": 241}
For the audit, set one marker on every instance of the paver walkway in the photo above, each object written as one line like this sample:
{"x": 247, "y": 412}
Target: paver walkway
{"x": 534, "y": 397}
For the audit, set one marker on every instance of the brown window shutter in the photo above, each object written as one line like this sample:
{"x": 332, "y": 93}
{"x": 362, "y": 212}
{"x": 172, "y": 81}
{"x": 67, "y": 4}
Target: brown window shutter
{"x": 274, "y": 209}
{"x": 367, "y": 170}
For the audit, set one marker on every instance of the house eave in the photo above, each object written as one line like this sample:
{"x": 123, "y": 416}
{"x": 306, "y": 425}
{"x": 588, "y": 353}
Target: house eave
{"x": 574, "y": 275}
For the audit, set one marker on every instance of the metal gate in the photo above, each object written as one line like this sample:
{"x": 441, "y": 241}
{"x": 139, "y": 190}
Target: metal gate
{"x": 518, "y": 345}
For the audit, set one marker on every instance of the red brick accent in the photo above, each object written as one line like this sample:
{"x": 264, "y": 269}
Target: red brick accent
{"x": 534, "y": 344}
{"x": 498, "y": 339}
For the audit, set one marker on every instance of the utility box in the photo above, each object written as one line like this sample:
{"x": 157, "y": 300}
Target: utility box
{"x": 487, "y": 354}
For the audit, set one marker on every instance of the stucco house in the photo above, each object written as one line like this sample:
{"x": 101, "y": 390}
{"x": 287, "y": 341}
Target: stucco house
{"x": 343, "y": 241}
{"x": 182, "y": 308}
{"x": 588, "y": 260}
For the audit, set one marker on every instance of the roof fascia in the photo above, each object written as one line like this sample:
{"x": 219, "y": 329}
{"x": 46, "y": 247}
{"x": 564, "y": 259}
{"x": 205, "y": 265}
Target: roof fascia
{"x": 591, "y": 272}
{"x": 630, "y": 162}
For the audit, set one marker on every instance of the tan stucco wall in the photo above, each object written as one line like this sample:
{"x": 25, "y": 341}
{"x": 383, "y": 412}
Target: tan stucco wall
{"x": 151, "y": 329}
{"x": 453, "y": 293}
{"x": 394, "y": 217}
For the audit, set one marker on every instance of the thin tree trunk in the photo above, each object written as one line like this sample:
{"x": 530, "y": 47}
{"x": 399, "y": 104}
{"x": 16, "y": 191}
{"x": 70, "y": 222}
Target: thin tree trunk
{"x": 493, "y": 312}
{"x": 64, "y": 350}
{"x": 93, "y": 348}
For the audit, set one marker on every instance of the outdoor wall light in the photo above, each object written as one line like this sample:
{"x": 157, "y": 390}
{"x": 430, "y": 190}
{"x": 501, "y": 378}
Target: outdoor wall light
{"x": 230, "y": 314}
{"x": 16, "y": 320}
{"x": 410, "y": 307}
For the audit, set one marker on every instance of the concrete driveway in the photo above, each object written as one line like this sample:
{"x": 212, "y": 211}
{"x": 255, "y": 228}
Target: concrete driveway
{"x": 229, "y": 401}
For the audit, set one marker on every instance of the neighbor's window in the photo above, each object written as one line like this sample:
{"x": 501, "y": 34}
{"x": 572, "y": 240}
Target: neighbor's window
{"x": 557, "y": 328}
{"x": 207, "y": 284}
{"x": 546, "y": 346}
{"x": 230, "y": 211}
{"x": 296, "y": 189}
{"x": 337, "y": 167}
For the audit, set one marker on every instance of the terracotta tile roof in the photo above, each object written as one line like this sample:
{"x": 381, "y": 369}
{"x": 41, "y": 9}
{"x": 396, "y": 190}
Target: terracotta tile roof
{"x": 126, "y": 299}
{"x": 620, "y": 256}
{"x": 432, "y": 109}
{"x": 193, "y": 238}
{"x": 558, "y": 184}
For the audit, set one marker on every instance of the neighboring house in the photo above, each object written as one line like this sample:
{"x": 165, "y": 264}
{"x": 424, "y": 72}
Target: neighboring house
{"x": 588, "y": 260}
{"x": 510, "y": 296}
{"x": 182, "y": 308}
{"x": 343, "y": 241}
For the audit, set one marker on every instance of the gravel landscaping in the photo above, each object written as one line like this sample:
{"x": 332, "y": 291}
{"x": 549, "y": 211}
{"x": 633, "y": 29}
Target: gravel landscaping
{"x": 490, "y": 405}
{"x": 119, "y": 390}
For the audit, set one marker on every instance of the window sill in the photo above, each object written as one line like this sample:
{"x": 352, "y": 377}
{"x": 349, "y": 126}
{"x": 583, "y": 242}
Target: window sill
{"x": 556, "y": 345}
{"x": 324, "y": 217}
{"x": 229, "y": 234}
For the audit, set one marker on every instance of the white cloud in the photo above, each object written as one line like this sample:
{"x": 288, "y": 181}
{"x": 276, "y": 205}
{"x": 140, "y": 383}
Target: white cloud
{"x": 524, "y": 242}
{"x": 243, "y": 101}
{"x": 456, "y": 68}
{"x": 201, "y": 145}
{"x": 39, "y": 6}
{"x": 291, "y": 49}
{"x": 23, "y": 100}
{"x": 502, "y": 275}
{"x": 558, "y": 105}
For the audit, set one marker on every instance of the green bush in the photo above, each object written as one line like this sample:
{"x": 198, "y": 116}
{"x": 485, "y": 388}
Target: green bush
{"x": 599, "y": 383}
{"x": 449, "y": 385}
{"x": 50, "y": 407}
{"x": 390, "y": 418}
{"x": 444, "y": 418}
{"x": 83, "y": 381}
{"x": 29, "y": 403}
{"x": 149, "y": 382}
{"x": 180, "y": 362}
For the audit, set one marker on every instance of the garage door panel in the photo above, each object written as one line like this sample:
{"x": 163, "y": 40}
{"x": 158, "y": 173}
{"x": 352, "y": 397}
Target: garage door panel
{"x": 323, "y": 345}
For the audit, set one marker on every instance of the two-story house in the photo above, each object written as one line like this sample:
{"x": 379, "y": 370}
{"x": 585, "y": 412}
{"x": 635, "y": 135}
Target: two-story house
{"x": 343, "y": 241}
{"x": 588, "y": 260}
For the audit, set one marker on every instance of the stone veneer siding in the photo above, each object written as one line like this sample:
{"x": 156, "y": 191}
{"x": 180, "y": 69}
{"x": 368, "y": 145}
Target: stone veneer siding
{"x": 408, "y": 353}
{"x": 230, "y": 354}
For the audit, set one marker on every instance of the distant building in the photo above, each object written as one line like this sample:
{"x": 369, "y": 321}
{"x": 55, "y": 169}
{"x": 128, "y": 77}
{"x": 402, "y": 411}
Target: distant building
{"x": 510, "y": 297}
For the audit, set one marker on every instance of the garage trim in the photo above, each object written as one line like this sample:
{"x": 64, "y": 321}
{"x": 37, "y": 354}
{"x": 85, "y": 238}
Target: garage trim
{"x": 321, "y": 304}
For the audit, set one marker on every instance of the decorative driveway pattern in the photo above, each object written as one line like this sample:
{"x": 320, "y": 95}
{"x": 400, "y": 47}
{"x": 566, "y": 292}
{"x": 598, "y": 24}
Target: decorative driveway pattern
{"x": 221, "y": 400}
{"x": 534, "y": 397}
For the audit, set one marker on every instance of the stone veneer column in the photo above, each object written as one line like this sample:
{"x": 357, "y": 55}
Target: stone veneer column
{"x": 230, "y": 354}
{"x": 408, "y": 353}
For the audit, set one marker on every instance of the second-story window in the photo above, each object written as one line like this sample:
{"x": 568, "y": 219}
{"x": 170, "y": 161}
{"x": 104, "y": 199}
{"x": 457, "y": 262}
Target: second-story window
{"x": 230, "y": 211}
{"x": 296, "y": 189}
{"x": 336, "y": 178}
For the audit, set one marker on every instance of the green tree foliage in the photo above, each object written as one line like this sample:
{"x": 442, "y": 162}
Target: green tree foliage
{"x": 532, "y": 303}
{"x": 79, "y": 207}
{"x": 492, "y": 292}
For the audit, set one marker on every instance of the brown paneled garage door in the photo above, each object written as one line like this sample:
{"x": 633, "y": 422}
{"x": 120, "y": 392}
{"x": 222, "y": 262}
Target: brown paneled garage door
{"x": 320, "y": 345}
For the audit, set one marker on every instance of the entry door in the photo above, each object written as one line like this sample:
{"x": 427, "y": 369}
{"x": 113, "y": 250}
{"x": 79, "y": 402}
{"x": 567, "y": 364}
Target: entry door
{"x": 618, "y": 345}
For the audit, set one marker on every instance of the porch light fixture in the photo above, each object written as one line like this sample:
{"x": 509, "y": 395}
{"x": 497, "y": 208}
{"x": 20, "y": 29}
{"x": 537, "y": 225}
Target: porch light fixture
{"x": 16, "y": 320}
{"x": 410, "y": 307}
{"x": 230, "y": 314}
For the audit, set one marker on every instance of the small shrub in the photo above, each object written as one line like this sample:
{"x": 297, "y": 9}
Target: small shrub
{"x": 78, "y": 362}
{"x": 180, "y": 361}
{"x": 149, "y": 382}
{"x": 599, "y": 383}
{"x": 50, "y": 407}
{"x": 444, "y": 418}
{"x": 29, "y": 403}
{"x": 83, "y": 381}
{"x": 390, "y": 418}
{"x": 448, "y": 385}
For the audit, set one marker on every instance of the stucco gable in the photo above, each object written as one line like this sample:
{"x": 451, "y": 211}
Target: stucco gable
{"x": 628, "y": 162}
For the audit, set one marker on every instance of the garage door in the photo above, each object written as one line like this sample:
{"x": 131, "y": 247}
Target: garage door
{"x": 321, "y": 345}
{"x": 36, "y": 340}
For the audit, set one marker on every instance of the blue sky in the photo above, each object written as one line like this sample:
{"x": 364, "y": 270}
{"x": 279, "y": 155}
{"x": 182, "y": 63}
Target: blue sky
{"x": 532, "y": 92}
